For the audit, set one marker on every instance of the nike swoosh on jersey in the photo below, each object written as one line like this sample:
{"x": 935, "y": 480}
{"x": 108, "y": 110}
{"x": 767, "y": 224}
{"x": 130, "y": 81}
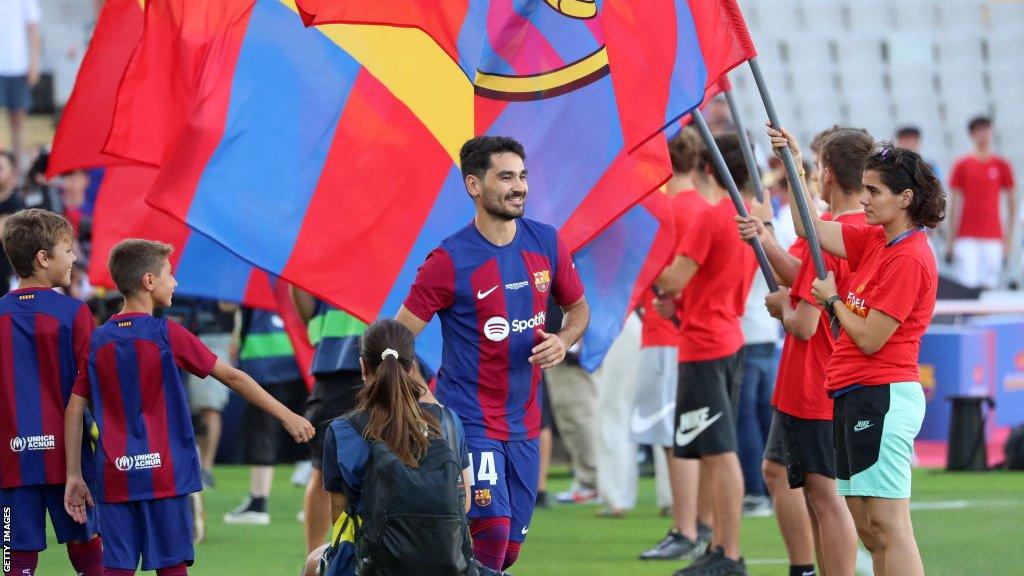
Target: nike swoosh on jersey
{"x": 481, "y": 295}
{"x": 684, "y": 438}
{"x": 640, "y": 424}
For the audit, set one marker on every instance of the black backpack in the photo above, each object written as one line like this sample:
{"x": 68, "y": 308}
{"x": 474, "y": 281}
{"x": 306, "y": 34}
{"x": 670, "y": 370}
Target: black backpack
{"x": 413, "y": 519}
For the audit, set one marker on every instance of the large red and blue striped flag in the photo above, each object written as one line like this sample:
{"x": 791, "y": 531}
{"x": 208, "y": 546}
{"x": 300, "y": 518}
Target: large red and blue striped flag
{"x": 203, "y": 267}
{"x": 297, "y": 136}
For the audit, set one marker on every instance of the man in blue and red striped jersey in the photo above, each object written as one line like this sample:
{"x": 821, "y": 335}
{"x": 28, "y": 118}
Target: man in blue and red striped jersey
{"x": 147, "y": 460}
{"x": 489, "y": 283}
{"x": 44, "y": 338}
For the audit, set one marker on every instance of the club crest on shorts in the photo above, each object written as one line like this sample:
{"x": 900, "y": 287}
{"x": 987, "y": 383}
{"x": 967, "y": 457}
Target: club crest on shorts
{"x": 542, "y": 280}
{"x": 482, "y": 496}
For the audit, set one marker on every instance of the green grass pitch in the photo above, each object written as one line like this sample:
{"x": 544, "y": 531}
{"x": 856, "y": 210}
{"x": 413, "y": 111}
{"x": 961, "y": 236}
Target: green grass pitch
{"x": 965, "y": 524}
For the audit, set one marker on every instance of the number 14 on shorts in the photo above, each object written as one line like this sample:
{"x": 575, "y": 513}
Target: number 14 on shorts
{"x": 487, "y": 472}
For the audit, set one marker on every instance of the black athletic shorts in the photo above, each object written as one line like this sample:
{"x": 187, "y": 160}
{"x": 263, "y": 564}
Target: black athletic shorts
{"x": 707, "y": 403}
{"x": 266, "y": 441}
{"x": 773, "y": 450}
{"x": 333, "y": 395}
{"x": 807, "y": 448}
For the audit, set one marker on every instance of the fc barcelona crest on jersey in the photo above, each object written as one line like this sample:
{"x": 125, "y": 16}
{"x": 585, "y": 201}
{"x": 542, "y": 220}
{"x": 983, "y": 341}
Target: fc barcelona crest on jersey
{"x": 542, "y": 280}
{"x": 482, "y": 497}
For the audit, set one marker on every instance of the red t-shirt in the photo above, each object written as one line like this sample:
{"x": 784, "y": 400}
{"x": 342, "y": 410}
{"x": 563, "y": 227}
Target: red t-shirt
{"x": 980, "y": 183}
{"x": 800, "y": 386}
{"x": 713, "y": 301}
{"x": 658, "y": 331}
{"x": 898, "y": 280}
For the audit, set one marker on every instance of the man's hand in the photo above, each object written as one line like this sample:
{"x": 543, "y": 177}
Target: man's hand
{"x": 824, "y": 289}
{"x": 76, "y": 498}
{"x": 751, "y": 227}
{"x": 550, "y": 352}
{"x": 298, "y": 427}
{"x": 781, "y": 139}
{"x": 776, "y": 300}
{"x": 665, "y": 306}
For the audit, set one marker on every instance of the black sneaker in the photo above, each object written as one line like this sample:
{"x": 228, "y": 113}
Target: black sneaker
{"x": 704, "y": 533}
{"x": 714, "y": 563}
{"x": 674, "y": 546}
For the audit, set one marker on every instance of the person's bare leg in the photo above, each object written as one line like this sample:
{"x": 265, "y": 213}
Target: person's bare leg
{"x": 684, "y": 478}
{"x": 862, "y": 520}
{"x": 705, "y": 498}
{"x": 16, "y": 121}
{"x": 546, "y": 441}
{"x": 819, "y": 553}
{"x": 790, "y": 514}
{"x": 210, "y": 439}
{"x": 890, "y": 521}
{"x": 317, "y": 509}
{"x": 838, "y": 535}
{"x": 727, "y": 480}
{"x": 260, "y": 480}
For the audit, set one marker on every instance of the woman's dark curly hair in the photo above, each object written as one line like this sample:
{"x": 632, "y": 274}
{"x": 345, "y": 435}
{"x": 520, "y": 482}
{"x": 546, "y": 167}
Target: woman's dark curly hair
{"x": 901, "y": 169}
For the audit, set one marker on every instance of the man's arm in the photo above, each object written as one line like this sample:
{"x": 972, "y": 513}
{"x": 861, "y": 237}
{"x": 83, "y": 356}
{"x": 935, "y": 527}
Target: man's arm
{"x": 674, "y": 279}
{"x": 304, "y": 303}
{"x": 76, "y": 493}
{"x": 952, "y": 222}
{"x": 551, "y": 351}
{"x": 411, "y": 321}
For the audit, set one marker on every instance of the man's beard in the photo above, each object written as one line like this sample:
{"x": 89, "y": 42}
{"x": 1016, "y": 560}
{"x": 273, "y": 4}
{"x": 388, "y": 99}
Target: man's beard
{"x": 499, "y": 210}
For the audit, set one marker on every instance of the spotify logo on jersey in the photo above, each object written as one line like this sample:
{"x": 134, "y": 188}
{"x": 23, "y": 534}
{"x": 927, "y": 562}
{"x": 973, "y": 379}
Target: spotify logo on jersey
{"x": 496, "y": 329}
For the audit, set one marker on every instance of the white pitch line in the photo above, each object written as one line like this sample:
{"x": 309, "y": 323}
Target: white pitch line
{"x": 960, "y": 504}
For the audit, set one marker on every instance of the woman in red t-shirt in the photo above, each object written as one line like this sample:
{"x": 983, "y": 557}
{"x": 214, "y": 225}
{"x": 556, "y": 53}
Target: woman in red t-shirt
{"x": 873, "y": 374}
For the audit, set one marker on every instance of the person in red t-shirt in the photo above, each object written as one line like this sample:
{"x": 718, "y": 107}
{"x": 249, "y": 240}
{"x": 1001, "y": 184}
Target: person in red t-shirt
{"x": 800, "y": 453}
{"x": 977, "y": 244}
{"x": 653, "y": 419}
{"x": 711, "y": 277}
{"x": 873, "y": 373}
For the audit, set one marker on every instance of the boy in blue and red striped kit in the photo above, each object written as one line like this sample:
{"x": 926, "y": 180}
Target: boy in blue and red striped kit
{"x": 489, "y": 283}
{"x": 44, "y": 338}
{"x": 146, "y": 459}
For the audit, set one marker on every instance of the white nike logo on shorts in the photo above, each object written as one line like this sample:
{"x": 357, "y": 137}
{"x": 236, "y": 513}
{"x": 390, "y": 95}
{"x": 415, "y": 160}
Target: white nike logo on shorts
{"x": 640, "y": 424}
{"x": 525, "y": 530}
{"x": 481, "y": 295}
{"x": 684, "y": 438}
{"x": 862, "y": 425}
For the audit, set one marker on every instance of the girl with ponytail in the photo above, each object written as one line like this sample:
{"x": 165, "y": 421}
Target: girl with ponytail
{"x": 397, "y": 410}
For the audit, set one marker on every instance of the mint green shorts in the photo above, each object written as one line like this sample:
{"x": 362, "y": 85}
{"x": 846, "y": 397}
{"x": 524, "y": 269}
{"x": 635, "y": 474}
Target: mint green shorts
{"x": 874, "y": 431}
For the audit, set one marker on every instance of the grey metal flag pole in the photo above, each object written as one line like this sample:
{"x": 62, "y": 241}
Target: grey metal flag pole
{"x": 748, "y": 150}
{"x": 796, "y": 185}
{"x": 795, "y": 182}
{"x": 734, "y": 194}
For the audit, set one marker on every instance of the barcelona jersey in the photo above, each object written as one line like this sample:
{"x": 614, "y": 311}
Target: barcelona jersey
{"x": 491, "y": 301}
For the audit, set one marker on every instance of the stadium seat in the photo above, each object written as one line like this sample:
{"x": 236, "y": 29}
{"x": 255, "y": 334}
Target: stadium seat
{"x": 871, "y": 16}
{"x": 821, "y": 16}
{"x": 961, "y": 16}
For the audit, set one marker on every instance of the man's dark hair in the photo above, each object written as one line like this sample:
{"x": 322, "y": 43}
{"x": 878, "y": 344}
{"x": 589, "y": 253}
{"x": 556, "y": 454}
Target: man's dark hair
{"x": 820, "y": 137}
{"x": 684, "y": 150}
{"x": 475, "y": 155}
{"x": 978, "y": 122}
{"x": 908, "y": 132}
{"x": 132, "y": 259}
{"x": 729, "y": 146}
{"x": 844, "y": 152}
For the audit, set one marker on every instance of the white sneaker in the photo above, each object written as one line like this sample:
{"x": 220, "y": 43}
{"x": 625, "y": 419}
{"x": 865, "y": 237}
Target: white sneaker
{"x": 577, "y": 495}
{"x": 244, "y": 514}
{"x": 303, "y": 470}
